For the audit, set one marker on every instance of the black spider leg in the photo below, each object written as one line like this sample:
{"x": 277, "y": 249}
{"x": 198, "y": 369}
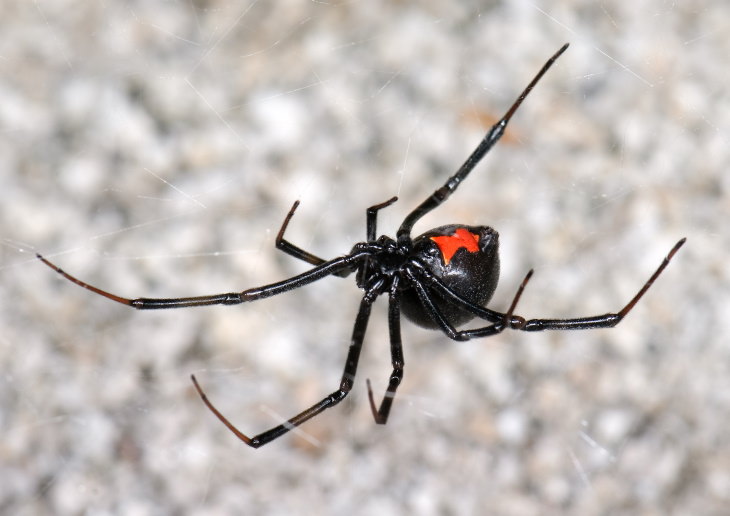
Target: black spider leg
{"x": 297, "y": 252}
{"x": 396, "y": 349}
{"x": 607, "y": 320}
{"x": 396, "y": 358}
{"x": 371, "y": 218}
{"x": 332, "y": 267}
{"x": 291, "y": 249}
{"x": 371, "y": 230}
{"x": 346, "y": 383}
{"x": 496, "y": 327}
{"x": 492, "y": 136}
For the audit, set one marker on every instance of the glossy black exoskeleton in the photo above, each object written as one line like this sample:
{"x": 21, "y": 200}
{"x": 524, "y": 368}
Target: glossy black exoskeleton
{"x": 466, "y": 259}
{"x": 441, "y": 279}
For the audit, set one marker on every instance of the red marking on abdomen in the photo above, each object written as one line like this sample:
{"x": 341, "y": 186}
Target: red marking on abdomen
{"x": 449, "y": 244}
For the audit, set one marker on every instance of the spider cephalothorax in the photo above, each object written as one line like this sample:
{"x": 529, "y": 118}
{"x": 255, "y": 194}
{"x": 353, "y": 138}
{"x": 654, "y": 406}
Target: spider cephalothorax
{"x": 440, "y": 279}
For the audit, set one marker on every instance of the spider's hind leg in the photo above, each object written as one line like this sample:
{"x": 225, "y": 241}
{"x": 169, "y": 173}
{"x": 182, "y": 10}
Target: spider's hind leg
{"x": 608, "y": 320}
{"x": 499, "y": 321}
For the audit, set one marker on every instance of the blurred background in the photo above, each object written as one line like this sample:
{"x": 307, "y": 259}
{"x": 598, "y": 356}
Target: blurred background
{"x": 153, "y": 148}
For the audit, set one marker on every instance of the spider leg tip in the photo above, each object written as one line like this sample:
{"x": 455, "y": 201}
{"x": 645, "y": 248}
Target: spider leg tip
{"x": 46, "y": 262}
{"x": 676, "y": 247}
{"x": 196, "y": 384}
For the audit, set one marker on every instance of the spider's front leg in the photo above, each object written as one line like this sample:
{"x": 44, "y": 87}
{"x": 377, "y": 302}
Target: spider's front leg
{"x": 342, "y": 265}
{"x": 346, "y": 383}
{"x": 490, "y": 139}
{"x": 297, "y": 252}
{"x": 371, "y": 218}
{"x": 292, "y": 250}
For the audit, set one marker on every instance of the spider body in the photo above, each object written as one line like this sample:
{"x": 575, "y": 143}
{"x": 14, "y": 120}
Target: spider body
{"x": 440, "y": 280}
{"x": 465, "y": 259}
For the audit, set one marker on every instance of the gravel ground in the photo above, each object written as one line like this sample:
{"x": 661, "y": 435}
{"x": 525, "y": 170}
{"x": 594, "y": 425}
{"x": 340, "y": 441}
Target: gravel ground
{"x": 153, "y": 149}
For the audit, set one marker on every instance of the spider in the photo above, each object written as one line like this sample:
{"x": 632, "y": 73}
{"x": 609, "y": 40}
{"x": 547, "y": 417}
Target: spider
{"x": 439, "y": 280}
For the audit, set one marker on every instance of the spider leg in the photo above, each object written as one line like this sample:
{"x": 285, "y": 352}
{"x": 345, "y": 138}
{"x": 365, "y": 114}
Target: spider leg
{"x": 492, "y": 136}
{"x": 608, "y": 320}
{"x": 346, "y": 383}
{"x": 291, "y": 249}
{"x": 299, "y": 253}
{"x": 396, "y": 355}
{"x": 371, "y": 226}
{"x": 371, "y": 218}
{"x": 452, "y": 297}
{"x": 506, "y": 320}
{"x": 519, "y": 323}
{"x": 579, "y": 323}
{"x": 337, "y": 265}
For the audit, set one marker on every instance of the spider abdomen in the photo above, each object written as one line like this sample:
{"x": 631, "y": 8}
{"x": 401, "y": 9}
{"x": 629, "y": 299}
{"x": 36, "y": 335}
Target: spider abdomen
{"x": 465, "y": 259}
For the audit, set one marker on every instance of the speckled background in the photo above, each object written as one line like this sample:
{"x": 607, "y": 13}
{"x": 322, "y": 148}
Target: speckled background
{"x": 153, "y": 148}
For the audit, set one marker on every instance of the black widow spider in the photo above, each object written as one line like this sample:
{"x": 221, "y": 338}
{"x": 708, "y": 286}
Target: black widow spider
{"x": 440, "y": 280}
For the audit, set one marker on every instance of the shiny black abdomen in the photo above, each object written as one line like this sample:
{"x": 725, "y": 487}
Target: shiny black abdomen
{"x": 466, "y": 259}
